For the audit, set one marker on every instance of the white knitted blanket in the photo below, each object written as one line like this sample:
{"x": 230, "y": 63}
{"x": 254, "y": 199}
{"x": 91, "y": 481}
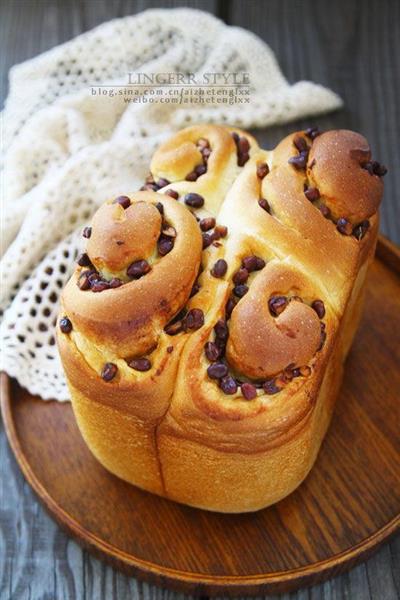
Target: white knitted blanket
{"x": 67, "y": 148}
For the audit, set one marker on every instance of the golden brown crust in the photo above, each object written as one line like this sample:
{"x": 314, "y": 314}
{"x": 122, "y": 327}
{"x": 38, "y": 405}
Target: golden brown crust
{"x": 196, "y": 438}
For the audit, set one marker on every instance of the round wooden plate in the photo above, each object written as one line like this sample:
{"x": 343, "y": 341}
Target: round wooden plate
{"x": 347, "y": 506}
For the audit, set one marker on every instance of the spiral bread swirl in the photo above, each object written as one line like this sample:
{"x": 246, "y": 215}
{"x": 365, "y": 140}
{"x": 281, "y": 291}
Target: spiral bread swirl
{"x": 204, "y": 330}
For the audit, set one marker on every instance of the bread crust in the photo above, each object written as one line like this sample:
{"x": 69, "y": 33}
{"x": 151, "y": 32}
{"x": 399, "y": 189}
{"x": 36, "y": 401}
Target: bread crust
{"x": 171, "y": 429}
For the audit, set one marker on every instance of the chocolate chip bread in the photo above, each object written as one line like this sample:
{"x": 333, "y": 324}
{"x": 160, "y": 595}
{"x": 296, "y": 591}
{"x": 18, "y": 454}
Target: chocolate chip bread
{"x": 204, "y": 331}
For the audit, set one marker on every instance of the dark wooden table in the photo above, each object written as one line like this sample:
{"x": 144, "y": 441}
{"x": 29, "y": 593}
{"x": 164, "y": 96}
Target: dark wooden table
{"x": 352, "y": 46}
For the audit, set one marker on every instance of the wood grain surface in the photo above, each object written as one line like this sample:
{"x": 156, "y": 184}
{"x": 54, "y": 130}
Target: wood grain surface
{"x": 351, "y": 46}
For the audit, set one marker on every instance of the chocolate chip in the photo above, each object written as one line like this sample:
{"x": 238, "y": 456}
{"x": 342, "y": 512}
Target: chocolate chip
{"x": 163, "y": 182}
{"x": 115, "y": 282}
{"x": 264, "y": 205}
{"x": 109, "y": 371}
{"x": 312, "y": 132}
{"x": 361, "y": 229}
{"x": 240, "y": 290}
{"x": 172, "y": 193}
{"x": 195, "y": 289}
{"x": 138, "y": 269}
{"x": 194, "y": 200}
{"x": 84, "y": 260}
{"x": 248, "y": 390}
{"x": 173, "y": 328}
{"x": 212, "y": 351}
{"x": 270, "y": 387}
{"x": 323, "y": 338}
{"x": 220, "y": 231}
{"x": 220, "y": 268}
{"x": 300, "y": 143}
{"x": 374, "y": 168}
{"x": 228, "y": 385}
{"x": 140, "y": 364}
{"x": 324, "y": 211}
{"x": 253, "y": 263}
{"x": 299, "y": 161}
{"x": 262, "y": 170}
{"x": 200, "y": 170}
{"x": 221, "y": 330}
{"x": 344, "y": 226}
{"x": 241, "y": 276}
{"x": 217, "y": 370}
{"x": 207, "y": 223}
{"x": 100, "y": 285}
{"x": 243, "y": 144}
{"x": 83, "y": 280}
{"x": 319, "y": 308}
{"x": 230, "y": 305}
{"x": 277, "y": 304}
{"x": 148, "y": 186}
{"x": 87, "y": 232}
{"x": 124, "y": 201}
{"x": 170, "y": 349}
{"x": 194, "y": 319}
{"x": 165, "y": 245}
{"x": 192, "y": 176}
{"x": 207, "y": 240}
{"x": 312, "y": 194}
{"x": 242, "y": 159}
{"x": 205, "y": 154}
{"x": 160, "y": 208}
{"x": 235, "y": 137}
{"x": 65, "y": 325}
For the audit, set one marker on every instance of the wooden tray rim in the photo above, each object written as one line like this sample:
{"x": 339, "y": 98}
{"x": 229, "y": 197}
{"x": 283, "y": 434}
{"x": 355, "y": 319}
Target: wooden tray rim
{"x": 270, "y": 582}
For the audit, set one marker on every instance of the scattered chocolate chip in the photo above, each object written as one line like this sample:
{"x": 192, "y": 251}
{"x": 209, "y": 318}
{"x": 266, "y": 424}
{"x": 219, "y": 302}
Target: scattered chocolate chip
{"x": 163, "y": 182}
{"x": 260, "y": 263}
{"x": 217, "y": 370}
{"x": 87, "y": 232}
{"x": 124, "y": 201}
{"x": 240, "y": 290}
{"x": 228, "y": 385}
{"x": 248, "y": 390}
{"x": 207, "y": 240}
{"x": 374, "y": 168}
{"x": 230, "y": 305}
{"x": 299, "y": 161}
{"x": 200, "y": 170}
{"x": 194, "y": 200}
{"x": 235, "y": 137}
{"x": 195, "y": 289}
{"x": 361, "y": 229}
{"x": 253, "y": 263}
{"x": 84, "y": 260}
{"x": 109, "y": 371}
{"x": 277, "y": 304}
{"x": 242, "y": 159}
{"x": 221, "y": 330}
{"x": 148, "y": 186}
{"x": 207, "y": 223}
{"x": 300, "y": 143}
{"x": 100, "y": 285}
{"x": 262, "y": 170}
{"x": 83, "y": 280}
{"x": 270, "y": 387}
{"x": 319, "y": 308}
{"x": 264, "y": 205}
{"x": 323, "y": 338}
{"x": 241, "y": 276}
{"x": 65, "y": 325}
{"x": 192, "y": 176}
{"x": 170, "y": 349}
{"x": 206, "y": 154}
{"x": 212, "y": 351}
{"x": 312, "y": 194}
{"x": 174, "y": 328}
{"x": 194, "y": 319}
{"x": 296, "y": 372}
{"x": 160, "y": 208}
{"x": 220, "y": 231}
{"x": 220, "y": 268}
{"x": 140, "y": 364}
{"x": 115, "y": 282}
{"x": 138, "y": 269}
{"x": 324, "y": 210}
{"x": 172, "y": 193}
{"x": 312, "y": 133}
{"x": 165, "y": 245}
{"x": 344, "y": 226}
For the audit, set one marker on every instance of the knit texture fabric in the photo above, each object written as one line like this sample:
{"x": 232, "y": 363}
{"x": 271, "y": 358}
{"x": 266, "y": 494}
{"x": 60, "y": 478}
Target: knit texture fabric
{"x": 67, "y": 149}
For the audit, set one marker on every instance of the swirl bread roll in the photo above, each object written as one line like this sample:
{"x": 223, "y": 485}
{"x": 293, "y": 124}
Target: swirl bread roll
{"x": 204, "y": 331}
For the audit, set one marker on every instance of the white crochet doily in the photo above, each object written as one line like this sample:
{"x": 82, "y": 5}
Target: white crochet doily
{"x": 67, "y": 150}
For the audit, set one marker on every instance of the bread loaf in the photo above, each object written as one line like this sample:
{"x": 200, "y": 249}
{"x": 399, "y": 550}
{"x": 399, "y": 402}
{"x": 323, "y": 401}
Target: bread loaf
{"x": 204, "y": 331}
